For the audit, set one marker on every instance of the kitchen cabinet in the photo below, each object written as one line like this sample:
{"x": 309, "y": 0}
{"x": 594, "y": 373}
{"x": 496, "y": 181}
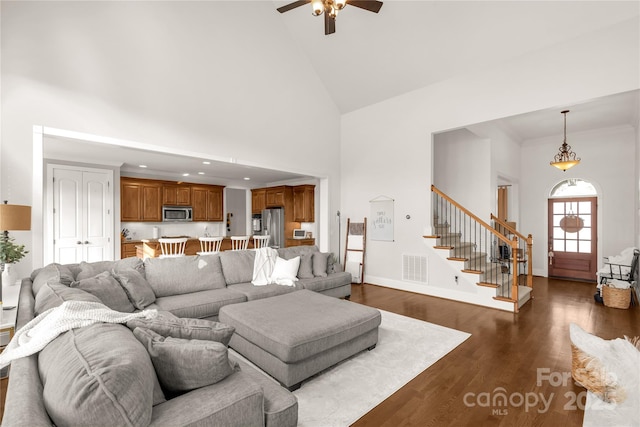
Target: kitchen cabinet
{"x": 298, "y": 203}
{"x": 275, "y": 197}
{"x": 128, "y": 249}
{"x": 300, "y": 242}
{"x": 304, "y": 203}
{"x": 151, "y": 206}
{"x": 140, "y": 200}
{"x": 130, "y": 195}
{"x": 258, "y": 201}
{"x": 176, "y": 195}
{"x": 207, "y": 202}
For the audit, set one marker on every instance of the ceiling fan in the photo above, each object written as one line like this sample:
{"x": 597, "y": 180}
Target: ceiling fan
{"x": 331, "y": 9}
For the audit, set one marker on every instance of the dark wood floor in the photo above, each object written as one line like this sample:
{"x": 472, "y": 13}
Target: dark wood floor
{"x": 505, "y": 350}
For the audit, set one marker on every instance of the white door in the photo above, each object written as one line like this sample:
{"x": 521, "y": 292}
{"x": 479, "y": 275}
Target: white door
{"x": 82, "y": 214}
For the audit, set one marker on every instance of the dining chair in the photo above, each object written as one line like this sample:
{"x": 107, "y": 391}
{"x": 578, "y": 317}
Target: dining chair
{"x": 210, "y": 245}
{"x": 172, "y": 247}
{"x": 260, "y": 241}
{"x": 239, "y": 243}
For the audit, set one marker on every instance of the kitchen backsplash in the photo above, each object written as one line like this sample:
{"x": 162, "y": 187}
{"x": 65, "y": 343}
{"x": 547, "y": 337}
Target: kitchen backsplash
{"x": 144, "y": 230}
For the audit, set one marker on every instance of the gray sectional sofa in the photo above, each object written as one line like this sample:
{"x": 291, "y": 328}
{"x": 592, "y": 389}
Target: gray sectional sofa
{"x": 102, "y": 375}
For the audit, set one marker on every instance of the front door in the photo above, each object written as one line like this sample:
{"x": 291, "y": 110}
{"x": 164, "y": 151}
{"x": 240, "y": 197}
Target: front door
{"x": 573, "y": 238}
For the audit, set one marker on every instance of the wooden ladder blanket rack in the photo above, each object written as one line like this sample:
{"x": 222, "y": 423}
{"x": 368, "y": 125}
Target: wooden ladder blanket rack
{"x": 355, "y": 249}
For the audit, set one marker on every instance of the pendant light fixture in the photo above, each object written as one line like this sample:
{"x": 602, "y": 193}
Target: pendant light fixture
{"x": 565, "y": 159}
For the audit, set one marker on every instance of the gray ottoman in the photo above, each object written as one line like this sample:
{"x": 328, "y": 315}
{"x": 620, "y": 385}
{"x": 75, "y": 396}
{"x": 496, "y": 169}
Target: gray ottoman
{"x": 296, "y": 335}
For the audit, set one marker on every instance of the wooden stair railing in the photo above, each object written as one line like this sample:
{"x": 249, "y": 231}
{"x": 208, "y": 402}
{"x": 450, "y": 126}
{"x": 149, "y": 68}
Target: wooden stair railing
{"x": 461, "y": 224}
{"x": 526, "y": 241}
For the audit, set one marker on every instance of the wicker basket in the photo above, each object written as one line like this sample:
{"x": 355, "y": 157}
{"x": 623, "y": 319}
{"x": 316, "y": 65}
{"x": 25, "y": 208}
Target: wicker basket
{"x": 616, "y": 298}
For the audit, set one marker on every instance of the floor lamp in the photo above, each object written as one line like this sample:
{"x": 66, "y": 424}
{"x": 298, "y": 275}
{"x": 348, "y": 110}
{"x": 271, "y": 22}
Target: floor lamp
{"x": 12, "y": 218}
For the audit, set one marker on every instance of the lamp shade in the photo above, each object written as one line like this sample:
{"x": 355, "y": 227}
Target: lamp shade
{"x": 15, "y": 217}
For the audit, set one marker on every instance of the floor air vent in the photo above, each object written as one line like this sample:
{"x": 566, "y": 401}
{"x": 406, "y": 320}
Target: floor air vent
{"x": 414, "y": 268}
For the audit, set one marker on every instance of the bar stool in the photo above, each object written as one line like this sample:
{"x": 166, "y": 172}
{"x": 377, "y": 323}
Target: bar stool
{"x": 239, "y": 243}
{"x": 210, "y": 245}
{"x": 260, "y": 241}
{"x": 172, "y": 247}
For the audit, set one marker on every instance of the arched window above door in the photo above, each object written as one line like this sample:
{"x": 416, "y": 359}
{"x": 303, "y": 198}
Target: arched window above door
{"x": 573, "y": 187}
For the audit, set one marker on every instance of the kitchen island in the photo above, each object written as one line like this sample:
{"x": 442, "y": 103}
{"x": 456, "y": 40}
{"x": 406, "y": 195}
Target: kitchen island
{"x": 150, "y": 248}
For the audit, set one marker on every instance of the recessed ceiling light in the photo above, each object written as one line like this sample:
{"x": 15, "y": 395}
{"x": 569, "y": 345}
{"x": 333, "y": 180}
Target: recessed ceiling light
{"x": 200, "y": 173}
{"x": 185, "y": 174}
{"x": 246, "y": 178}
{"x": 142, "y": 166}
{"x": 206, "y": 163}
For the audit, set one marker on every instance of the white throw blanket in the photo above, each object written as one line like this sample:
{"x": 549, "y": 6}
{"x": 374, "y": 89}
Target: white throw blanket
{"x": 353, "y": 267}
{"x": 263, "y": 266}
{"x": 40, "y": 331}
{"x": 624, "y": 259}
{"x": 269, "y": 269}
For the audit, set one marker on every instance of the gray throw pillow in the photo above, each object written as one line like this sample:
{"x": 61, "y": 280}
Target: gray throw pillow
{"x": 108, "y": 290}
{"x": 183, "y": 365}
{"x": 320, "y": 264}
{"x": 54, "y": 294}
{"x": 305, "y": 271}
{"x": 136, "y": 286}
{"x": 52, "y": 273}
{"x": 92, "y": 269}
{"x": 169, "y": 325}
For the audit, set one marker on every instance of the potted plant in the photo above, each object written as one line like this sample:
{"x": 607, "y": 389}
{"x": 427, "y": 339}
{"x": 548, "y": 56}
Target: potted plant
{"x": 10, "y": 253}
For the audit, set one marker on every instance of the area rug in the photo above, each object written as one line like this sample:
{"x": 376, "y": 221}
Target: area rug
{"x": 337, "y": 397}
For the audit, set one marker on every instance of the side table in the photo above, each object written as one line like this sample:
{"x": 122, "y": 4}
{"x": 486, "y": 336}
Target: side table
{"x": 7, "y": 329}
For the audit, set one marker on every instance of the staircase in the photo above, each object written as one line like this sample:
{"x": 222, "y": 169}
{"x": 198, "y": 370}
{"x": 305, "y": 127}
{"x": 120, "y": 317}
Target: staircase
{"x": 473, "y": 248}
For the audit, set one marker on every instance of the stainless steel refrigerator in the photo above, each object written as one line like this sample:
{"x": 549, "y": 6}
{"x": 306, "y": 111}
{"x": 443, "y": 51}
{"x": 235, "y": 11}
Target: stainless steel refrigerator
{"x": 273, "y": 225}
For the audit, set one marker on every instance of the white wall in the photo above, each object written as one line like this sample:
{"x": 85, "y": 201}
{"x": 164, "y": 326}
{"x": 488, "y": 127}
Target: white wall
{"x": 462, "y": 170}
{"x": 392, "y": 139}
{"x": 505, "y": 166}
{"x": 171, "y": 74}
{"x": 608, "y": 161}
{"x": 236, "y": 204}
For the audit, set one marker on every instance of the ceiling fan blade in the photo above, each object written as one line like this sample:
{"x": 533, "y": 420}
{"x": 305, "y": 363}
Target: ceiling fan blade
{"x": 370, "y": 5}
{"x": 329, "y": 24}
{"x": 293, "y": 5}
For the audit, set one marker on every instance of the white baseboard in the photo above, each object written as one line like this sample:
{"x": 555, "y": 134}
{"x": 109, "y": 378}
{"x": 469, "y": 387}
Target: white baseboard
{"x": 440, "y": 292}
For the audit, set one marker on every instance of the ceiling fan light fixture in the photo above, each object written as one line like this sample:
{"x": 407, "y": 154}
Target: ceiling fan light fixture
{"x": 340, "y": 4}
{"x": 318, "y": 7}
{"x": 330, "y": 8}
{"x": 565, "y": 159}
{"x": 333, "y": 12}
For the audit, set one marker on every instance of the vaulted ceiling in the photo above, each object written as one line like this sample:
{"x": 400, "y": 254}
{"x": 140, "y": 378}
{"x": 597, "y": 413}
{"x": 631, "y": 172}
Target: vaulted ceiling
{"x": 413, "y": 44}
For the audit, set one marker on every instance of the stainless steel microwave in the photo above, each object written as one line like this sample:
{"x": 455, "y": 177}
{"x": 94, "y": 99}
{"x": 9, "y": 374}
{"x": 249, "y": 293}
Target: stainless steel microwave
{"x": 177, "y": 213}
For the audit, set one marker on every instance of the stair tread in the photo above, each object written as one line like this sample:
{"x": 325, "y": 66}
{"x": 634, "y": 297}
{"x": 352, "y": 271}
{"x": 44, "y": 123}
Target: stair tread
{"x": 504, "y": 299}
{"x": 487, "y": 285}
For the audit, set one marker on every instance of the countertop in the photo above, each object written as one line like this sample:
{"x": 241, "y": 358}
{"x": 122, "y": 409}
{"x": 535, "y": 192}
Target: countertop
{"x": 154, "y": 240}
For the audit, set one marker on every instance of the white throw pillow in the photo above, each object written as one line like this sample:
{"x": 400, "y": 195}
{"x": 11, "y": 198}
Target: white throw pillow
{"x": 285, "y": 271}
